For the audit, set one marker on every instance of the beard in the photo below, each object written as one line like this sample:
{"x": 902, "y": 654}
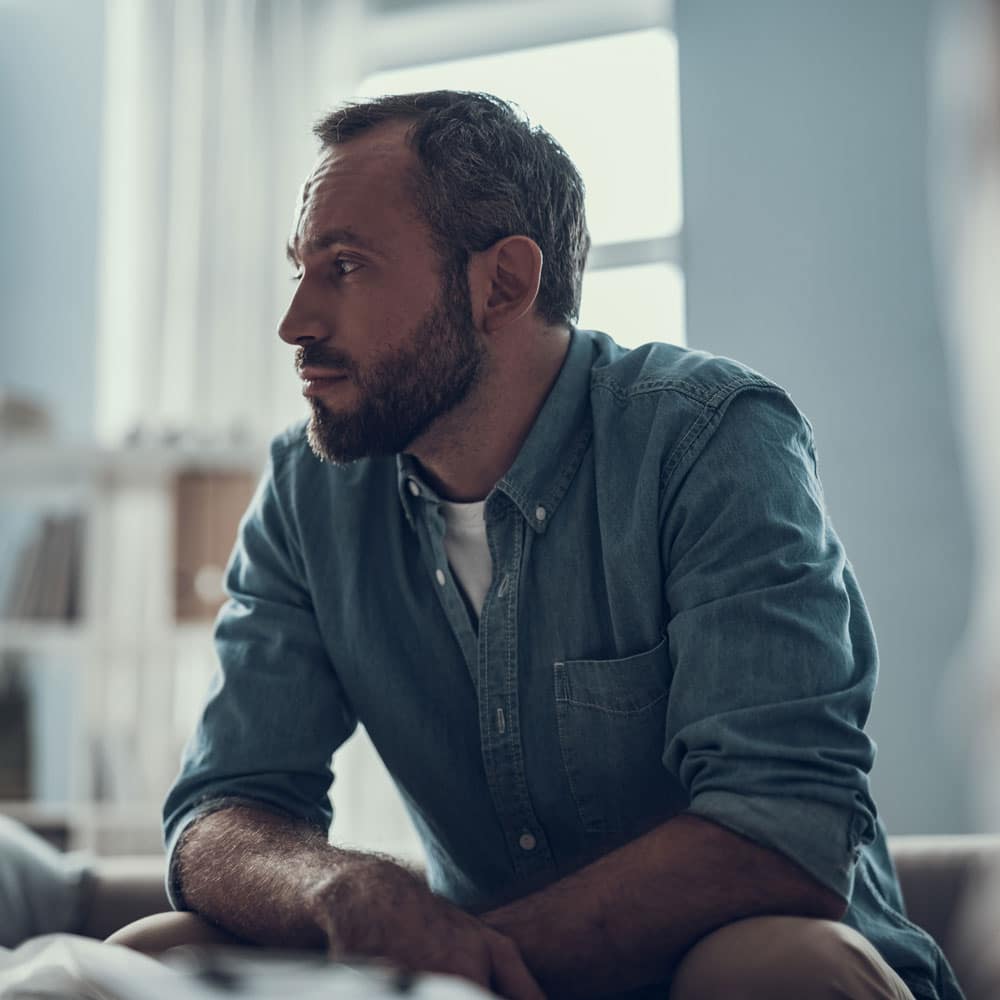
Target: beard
{"x": 404, "y": 391}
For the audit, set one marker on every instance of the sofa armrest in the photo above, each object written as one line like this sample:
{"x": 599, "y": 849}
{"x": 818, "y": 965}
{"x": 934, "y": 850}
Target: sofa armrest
{"x": 951, "y": 887}
{"x": 121, "y": 890}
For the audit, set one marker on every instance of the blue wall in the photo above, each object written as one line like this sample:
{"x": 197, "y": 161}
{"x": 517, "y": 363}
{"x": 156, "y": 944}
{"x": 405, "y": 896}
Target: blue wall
{"x": 51, "y": 83}
{"x": 808, "y": 257}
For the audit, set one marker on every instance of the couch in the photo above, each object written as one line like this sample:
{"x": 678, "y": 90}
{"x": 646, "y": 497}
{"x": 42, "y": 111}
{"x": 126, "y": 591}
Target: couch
{"x": 951, "y": 885}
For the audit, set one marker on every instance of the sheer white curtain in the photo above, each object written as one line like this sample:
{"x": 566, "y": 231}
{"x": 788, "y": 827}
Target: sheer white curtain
{"x": 967, "y": 162}
{"x": 967, "y": 148}
{"x": 207, "y": 139}
{"x": 207, "y": 113}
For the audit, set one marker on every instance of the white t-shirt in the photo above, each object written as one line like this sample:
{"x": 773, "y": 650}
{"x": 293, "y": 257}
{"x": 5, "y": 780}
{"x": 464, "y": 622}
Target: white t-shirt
{"x": 467, "y": 549}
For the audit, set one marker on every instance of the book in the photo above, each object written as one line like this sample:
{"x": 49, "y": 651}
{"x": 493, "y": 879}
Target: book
{"x": 46, "y": 580}
{"x": 208, "y": 506}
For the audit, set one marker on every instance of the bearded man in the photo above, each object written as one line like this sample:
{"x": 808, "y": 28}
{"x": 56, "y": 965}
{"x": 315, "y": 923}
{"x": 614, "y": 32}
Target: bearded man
{"x": 587, "y": 603}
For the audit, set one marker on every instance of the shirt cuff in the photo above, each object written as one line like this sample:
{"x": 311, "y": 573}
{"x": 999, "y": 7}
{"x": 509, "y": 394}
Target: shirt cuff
{"x": 819, "y": 837}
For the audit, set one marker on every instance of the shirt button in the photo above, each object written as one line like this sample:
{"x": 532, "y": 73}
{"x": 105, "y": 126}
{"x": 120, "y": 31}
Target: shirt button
{"x": 439, "y": 574}
{"x": 541, "y": 513}
{"x": 527, "y": 842}
{"x": 413, "y": 487}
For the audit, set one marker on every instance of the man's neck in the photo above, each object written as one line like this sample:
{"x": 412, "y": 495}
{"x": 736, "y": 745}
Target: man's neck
{"x": 467, "y": 452}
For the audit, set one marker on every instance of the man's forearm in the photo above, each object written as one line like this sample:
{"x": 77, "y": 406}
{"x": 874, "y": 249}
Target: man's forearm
{"x": 277, "y": 882}
{"x": 627, "y": 919}
{"x": 272, "y": 879}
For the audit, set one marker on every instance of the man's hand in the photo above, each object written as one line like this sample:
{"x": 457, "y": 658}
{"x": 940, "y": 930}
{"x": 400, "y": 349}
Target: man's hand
{"x": 626, "y": 920}
{"x": 274, "y": 881}
{"x": 383, "y": 911}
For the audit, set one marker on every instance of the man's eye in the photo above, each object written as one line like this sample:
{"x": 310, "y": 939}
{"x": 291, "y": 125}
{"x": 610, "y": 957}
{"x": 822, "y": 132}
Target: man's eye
{"x": 342, "y": 266}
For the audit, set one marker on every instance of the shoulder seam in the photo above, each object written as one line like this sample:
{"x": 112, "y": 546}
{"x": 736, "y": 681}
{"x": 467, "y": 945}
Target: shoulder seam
{"x": 710, "y": 417}
{"x": 710, "y": 395}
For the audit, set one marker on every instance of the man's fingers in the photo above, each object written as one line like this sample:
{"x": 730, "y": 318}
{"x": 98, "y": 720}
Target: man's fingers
{"x": 516, "y": 983}
{"x": 511, "y": 977}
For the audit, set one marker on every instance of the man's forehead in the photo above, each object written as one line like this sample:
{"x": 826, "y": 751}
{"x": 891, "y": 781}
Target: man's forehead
{"x": 382, "y": 154}
{"x": 366, "y": 171}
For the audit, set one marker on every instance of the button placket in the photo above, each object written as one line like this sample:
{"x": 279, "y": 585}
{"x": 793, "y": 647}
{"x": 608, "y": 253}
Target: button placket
{"x": 503, "y": 759}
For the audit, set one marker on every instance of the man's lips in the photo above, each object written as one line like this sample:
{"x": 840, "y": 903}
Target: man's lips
{"x": 315, "y": 380}
{"x": 313, "y": 373}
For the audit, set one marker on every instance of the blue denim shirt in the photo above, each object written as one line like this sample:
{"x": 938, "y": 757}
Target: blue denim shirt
{"x": 672, "y": 625}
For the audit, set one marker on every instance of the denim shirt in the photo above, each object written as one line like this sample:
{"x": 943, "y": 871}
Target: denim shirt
{"x": 672, "y": 625}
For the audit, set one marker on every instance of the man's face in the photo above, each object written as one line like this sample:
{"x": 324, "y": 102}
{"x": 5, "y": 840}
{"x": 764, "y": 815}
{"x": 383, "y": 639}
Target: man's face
{"x": 386, "y": 343}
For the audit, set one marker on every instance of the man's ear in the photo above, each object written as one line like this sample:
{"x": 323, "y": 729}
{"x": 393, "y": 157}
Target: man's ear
{"x": 504, "y": 281}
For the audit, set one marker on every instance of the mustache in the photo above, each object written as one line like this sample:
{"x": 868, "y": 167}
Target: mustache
{"x": 314, "y": 356}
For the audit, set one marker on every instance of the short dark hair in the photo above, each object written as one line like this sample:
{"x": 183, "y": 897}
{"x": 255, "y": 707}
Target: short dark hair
{"x": 487, "y": 173}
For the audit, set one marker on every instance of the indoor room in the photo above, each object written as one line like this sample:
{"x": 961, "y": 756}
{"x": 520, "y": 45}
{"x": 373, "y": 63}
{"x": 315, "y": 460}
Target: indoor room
{"x": 798, "y": 658}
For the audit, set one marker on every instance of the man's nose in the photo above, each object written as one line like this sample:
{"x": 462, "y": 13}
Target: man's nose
{"x": 302, "y": 323}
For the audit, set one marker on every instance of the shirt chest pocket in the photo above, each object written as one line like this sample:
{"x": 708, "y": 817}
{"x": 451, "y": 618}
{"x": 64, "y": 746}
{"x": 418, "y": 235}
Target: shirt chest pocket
{"x": 611, "y": 716}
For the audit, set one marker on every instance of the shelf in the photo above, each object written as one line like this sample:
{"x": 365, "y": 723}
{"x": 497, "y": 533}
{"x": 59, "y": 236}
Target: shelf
{"x": 32, "y": 808}
{"x": 104, "y": 814}
{"x": 42, "y": 637}
{"x": 129, "y": 838}
{"x": 39, "y": 465}
{"x": 128, "y": 670}
{"x": 57, "y": 637}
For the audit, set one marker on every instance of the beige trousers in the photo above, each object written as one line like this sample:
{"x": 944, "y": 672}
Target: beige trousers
{"x": 770, "y": 958}
{"x": 762, "y": 958}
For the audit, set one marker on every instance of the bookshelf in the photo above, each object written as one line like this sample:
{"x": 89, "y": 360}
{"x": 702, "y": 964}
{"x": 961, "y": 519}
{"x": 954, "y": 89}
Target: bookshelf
{"x": 114, "y": 670}
{"x": 27, "y": 637}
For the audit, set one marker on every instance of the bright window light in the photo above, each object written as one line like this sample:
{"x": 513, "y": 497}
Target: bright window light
{"x": 612, "y": 102}
{"x": 635, "y": 305}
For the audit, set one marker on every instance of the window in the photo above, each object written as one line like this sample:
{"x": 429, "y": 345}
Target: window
{"x": 612, "y": 102}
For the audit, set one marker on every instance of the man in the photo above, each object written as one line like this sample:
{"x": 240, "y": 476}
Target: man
{"x": 587, "y": 603}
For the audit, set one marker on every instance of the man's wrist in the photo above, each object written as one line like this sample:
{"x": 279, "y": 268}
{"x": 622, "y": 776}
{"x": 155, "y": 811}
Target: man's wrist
{"x": 349, "y": 905}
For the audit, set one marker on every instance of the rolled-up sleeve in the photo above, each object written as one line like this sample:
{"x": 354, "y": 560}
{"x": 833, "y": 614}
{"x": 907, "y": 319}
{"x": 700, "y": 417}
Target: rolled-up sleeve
{"x": 275, "y": 711}
{"x": 774, "y": 658}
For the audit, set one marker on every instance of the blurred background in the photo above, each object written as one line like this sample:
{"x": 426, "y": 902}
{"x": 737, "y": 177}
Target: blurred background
{"x": 767, "y": 181}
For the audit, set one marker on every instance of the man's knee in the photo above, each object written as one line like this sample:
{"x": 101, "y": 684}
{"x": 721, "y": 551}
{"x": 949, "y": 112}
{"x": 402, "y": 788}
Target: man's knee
{"x": 156, "y": 934}
{"x": 786, "y": 956}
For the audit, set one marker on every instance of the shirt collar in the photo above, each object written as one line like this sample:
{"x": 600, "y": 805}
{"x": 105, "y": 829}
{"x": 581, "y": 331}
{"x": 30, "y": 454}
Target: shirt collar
{"x": 544, "y": 467}
{"x": 411, "y": 487}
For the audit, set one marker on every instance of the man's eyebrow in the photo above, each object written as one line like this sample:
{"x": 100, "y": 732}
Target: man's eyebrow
{"x": 326, "y": 240}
